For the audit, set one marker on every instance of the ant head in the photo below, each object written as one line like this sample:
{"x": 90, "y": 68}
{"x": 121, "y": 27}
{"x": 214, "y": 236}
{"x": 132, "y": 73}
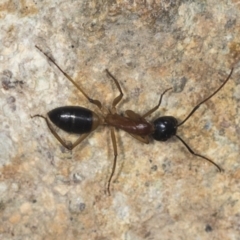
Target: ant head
{"x": 165, "y": 127}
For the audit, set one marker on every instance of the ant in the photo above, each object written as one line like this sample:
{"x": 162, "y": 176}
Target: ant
{"x": 80, "y": 120}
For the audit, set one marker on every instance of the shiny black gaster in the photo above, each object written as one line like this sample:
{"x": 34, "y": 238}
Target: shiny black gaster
{"x": 72, "y": 119}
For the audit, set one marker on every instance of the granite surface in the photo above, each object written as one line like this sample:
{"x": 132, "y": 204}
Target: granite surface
{"x": 159, "y": 190}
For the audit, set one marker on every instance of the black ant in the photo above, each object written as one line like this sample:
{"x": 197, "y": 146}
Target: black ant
{"x": 79, "y": 120}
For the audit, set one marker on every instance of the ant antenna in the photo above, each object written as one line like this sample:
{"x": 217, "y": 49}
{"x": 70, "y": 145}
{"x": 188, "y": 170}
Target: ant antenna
{"x": 198, "y": 155}
{"x": 196, "y": 107}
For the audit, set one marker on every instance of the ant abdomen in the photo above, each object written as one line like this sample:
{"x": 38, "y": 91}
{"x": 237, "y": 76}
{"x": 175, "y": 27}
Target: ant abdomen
{"x": 74, "y": 119}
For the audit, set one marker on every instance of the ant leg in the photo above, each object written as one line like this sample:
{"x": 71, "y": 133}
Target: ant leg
{"x": 144, "y": 139}
{"x": 78, "y": 141}
{"x": 114, "y": 143}
{"x": 119, "y": 97}
{"x": 53, "y": 131}
{"x": 196, "y": 107}
{"x": 132, "y": 115}
{"x": 93, "y": 101}
{"x": 136, "y": 117}
{"x": 157, "y": 106}
{"x": 198, "y": 155}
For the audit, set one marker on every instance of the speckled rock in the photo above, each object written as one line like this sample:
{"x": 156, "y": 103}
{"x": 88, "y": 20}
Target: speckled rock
{"x": 159, "y": 190}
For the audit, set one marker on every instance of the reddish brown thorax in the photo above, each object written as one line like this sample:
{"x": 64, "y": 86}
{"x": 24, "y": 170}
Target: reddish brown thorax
{"x": 138, "y": 127}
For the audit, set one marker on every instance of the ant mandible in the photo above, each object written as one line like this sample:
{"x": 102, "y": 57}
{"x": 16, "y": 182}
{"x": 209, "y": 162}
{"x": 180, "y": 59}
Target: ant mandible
{"x": 80, "y": 120}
